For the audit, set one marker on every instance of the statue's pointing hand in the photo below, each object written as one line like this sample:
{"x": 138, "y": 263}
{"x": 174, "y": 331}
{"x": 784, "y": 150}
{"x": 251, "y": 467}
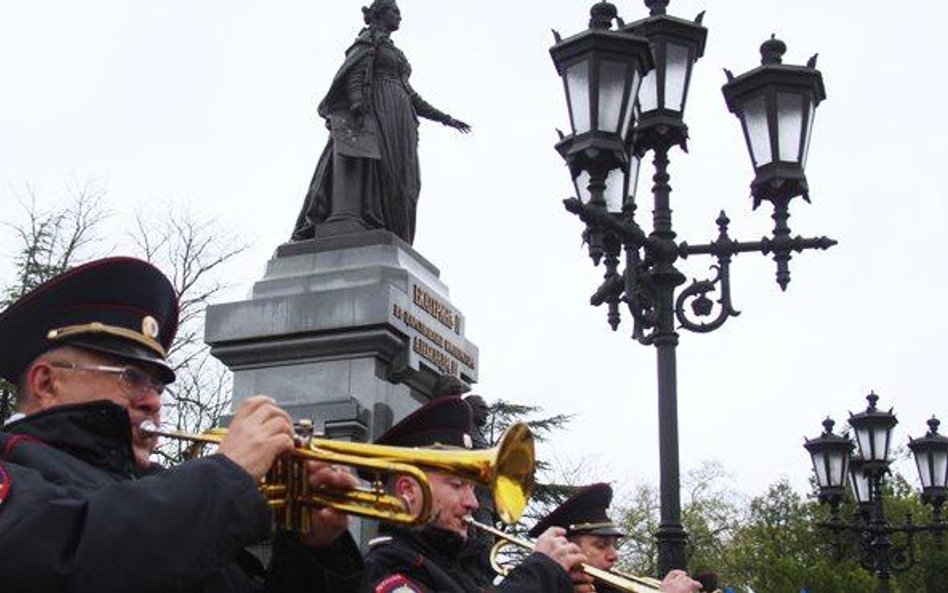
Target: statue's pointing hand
{"x": 457, "y": 125}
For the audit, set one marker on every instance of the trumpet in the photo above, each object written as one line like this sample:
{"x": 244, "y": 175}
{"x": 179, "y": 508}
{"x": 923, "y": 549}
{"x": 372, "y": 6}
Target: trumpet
{"x": 619, "y": 580}
{"x": 508, "y": 468}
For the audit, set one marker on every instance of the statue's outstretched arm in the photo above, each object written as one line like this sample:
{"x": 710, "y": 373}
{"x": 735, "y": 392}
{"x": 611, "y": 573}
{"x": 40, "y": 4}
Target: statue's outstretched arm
{"x": 428, "y": 111}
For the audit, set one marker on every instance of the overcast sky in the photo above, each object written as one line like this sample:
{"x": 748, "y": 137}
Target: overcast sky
{"x": 213, "y": 103}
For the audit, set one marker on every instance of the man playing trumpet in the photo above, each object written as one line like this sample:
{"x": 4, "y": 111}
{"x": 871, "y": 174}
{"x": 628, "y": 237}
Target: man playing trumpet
{"x": 428, "y": 560}
{"x": 82, "y": 508}
{"x": 585, "y": 520}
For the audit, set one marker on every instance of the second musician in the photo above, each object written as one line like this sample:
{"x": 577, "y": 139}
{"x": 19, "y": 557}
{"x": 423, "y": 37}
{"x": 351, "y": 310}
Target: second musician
{"x": 428, "y": 560}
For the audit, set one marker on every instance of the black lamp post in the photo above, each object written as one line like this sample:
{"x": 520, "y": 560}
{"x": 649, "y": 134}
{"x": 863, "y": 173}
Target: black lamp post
{"x": 604, "y": 163}
{"x": 868, "y": 469}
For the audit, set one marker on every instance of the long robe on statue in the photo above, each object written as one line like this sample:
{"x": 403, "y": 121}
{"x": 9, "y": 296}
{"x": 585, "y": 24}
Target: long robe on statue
{"x": 368, "y": 174}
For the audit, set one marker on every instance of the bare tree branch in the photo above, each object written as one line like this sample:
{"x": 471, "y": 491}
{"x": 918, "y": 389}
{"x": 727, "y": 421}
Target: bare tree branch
{"x": 191, "y": 252}
{"x": 50, "y": 242}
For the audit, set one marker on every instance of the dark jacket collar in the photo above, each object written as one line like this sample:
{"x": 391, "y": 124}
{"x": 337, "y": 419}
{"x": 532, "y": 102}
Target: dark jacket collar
{"x": 98, "y": 433}
{"x": 436, "y": 543}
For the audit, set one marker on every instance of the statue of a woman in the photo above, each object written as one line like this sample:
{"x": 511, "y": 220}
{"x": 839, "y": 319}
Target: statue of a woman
{"x": 367, "y": 176}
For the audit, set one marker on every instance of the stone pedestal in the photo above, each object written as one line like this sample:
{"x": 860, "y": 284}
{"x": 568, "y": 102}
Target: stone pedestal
{"x": 349, "y": 331}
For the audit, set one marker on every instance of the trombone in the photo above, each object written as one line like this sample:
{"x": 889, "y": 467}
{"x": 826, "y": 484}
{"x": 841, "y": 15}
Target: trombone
{"x": 619, "y": 580}
{"x": 508, "y": 468}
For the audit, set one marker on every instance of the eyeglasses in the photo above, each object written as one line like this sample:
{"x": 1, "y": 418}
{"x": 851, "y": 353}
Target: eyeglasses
{"x": 133, "y": 381}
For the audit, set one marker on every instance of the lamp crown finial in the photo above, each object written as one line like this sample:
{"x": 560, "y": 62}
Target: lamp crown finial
{"x": 772, "y": 50}
{"x": 656, "y": 7}
{"x": 872, "y": 398}
{"x": 828, "y": 425}
{"x": 933, "y": 424}
{"x": 602, "y": 14}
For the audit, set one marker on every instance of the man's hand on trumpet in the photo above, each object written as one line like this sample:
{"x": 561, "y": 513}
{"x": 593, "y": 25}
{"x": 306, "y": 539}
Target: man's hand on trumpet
{"x": 259, "y": 432}
{"x": 326, "y": 524}
{"x": 554, "y": 544}
{"x": 678, "y": 581}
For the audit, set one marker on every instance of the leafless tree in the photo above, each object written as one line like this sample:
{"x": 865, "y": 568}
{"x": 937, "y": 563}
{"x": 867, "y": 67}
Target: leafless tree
{"x": 49, "y": 242}
{"x": 191, "y": 251}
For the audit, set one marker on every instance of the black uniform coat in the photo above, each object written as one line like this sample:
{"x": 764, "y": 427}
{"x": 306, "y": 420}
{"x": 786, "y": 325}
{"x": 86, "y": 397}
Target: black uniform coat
{"x": 76, "y": 516}
{"x": 427, "y": 561}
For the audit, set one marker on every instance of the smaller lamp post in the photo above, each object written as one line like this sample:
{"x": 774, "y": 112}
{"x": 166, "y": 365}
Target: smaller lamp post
{"x": 832, "y": 454}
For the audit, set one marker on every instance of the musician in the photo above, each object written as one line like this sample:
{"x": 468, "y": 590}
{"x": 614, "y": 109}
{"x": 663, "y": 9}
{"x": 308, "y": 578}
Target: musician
{"x": 428, "y": 560}
{"x": 586, "y": 521}
{"x": 81, "y": 506}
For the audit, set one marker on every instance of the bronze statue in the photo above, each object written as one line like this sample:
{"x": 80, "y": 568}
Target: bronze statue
{"x": 367, "y": 176}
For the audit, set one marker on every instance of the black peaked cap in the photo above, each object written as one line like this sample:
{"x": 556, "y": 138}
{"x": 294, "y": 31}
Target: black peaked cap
{"x": 120, "y": 306}
{"x": 583, "y": 512}
{"x": 445, "y": 421}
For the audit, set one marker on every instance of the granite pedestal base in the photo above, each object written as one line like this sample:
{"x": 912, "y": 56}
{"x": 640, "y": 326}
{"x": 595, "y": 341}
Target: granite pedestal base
{"x": 353, "y": 329}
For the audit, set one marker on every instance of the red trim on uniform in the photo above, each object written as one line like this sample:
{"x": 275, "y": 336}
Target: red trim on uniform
{"x": 16, "y": 440}
{"x": 4, "y": 484}
{"x": 397, "y": 583}
{"x": 420, "y": 561}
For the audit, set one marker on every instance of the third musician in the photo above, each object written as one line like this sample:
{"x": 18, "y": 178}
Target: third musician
{"x": 584, "y": 517}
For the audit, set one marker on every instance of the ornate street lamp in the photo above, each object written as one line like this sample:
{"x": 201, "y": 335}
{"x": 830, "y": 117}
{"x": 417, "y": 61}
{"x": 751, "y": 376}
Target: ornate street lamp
{"x": 830, "y": 454}
{"x": 873, "y": 431}
{"x": 931, "y": 458}
{"x": 868, "y": 470}
{"x": 604, "y": 158}
{"x": 776, "y": 104}
{"x": 676, "y": 44}
{"x": 602, "y": 70}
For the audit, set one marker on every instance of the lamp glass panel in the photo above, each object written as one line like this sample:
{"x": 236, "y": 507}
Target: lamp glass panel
{"x": 866, "y": 444}
{"x": 577, "y": 81}
{"x": 821, "y": 468}
{"x": 582, "y": 187}
{"x": 632, "y": 179}
{"x": 612, "y": 76}
{"x": 811, "y": 112}
{"x": 939, "y": 468}
{"x": 757, "y": 130}
{"x": 676, "y": 75}
{"x": 630, "y": 110}
{"x": 923, "y": 460}
{"x": 615, "y": 188}
{"x": 648, "y": 94}
{"x": 860, "y": 484}
{"x": 837, "y": 468}
{"x": 881, "y": 437}
{"x": 789, "y": 126}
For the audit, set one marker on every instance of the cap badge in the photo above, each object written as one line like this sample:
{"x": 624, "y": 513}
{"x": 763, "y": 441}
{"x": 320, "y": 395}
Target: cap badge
{"x": 150, "y": 326}
{"x": 468, "y": 442}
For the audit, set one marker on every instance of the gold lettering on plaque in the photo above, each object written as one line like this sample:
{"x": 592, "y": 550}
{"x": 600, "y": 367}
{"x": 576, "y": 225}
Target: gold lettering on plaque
{"x": 442, "y": 361}
{"x": 435, "y": 348}
{"x": 434, "y": 307}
